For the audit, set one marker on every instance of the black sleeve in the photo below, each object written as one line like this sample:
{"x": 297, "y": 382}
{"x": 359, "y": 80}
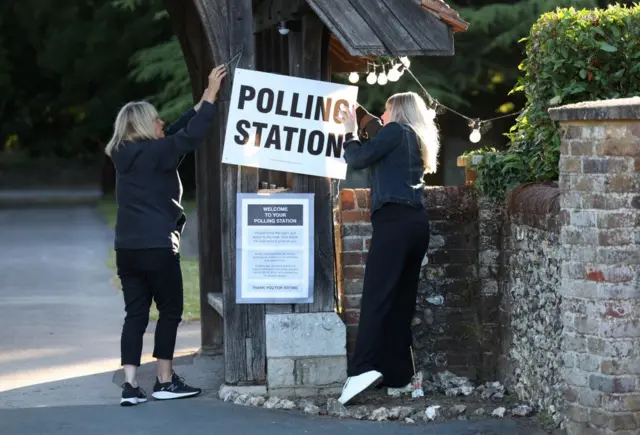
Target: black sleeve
{"x": 181, "y": 122}
{"x": 362, "y": 155}
{"x": 187, "y": 139}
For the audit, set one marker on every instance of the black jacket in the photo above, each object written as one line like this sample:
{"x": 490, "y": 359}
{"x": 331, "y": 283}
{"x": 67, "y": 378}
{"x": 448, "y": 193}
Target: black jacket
{"x": 148, "y": 186}
{"x": 392, "y": 154}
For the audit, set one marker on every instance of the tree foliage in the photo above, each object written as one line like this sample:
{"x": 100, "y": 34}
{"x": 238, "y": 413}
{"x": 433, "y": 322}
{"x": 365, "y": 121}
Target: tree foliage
{"x": 64, "y": 72}
{"x": 572, "y": 56}
{"x": 164, "y": 63}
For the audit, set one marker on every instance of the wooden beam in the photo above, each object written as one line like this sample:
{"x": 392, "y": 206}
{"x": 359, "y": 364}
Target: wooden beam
{"x": 309, "y": 58}
{"x": 245, "y": 341}
{"x": 271, "y": 47}
{"x": 271, "y": 12}
{"x": 193, "y": 37}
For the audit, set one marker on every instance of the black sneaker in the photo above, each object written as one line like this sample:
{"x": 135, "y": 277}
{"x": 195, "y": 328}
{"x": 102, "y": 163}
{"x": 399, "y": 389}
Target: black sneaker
{"x": 132, "y": 396}
{"x": 176, "y": 389}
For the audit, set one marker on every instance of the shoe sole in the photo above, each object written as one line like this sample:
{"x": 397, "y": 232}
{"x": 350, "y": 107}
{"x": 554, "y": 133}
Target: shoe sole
{"x": 346, "y": 399}
{"x": 132, "y": 401}
{"x": 167, "y": 395}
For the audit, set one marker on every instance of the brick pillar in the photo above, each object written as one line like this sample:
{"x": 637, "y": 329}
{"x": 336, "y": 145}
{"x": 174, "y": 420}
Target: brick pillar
{"x": 599, "y": 181}
{"x": 356, "y": 237}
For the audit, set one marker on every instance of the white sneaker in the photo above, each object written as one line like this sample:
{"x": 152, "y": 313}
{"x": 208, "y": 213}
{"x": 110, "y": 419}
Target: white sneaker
{"x": 397, "y": 392}
{"x": 357, "y": 384}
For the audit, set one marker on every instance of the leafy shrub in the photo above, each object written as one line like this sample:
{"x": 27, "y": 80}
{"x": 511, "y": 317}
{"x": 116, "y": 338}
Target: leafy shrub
{"x": 571, "y": 56}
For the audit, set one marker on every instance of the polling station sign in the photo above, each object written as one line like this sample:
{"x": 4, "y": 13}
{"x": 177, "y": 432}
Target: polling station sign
{"x": 287, "y": 124}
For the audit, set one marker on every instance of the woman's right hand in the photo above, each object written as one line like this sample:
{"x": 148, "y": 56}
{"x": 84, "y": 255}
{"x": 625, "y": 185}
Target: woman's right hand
{"x": 215, "y": 79}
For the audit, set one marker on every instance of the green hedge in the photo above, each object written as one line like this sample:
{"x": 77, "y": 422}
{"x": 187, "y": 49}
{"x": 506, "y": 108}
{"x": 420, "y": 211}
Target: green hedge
{"x": 571, "y": 56}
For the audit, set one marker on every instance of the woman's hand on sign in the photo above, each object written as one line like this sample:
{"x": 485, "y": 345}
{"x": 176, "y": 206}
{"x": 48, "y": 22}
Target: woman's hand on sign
{"x": 350, "y": 123}
{"x": 215, "y": 81}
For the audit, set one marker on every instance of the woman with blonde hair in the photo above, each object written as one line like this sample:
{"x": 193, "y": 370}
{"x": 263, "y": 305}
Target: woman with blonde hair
{"x": 149, "y": 223}
{"x": 398, "y": 155}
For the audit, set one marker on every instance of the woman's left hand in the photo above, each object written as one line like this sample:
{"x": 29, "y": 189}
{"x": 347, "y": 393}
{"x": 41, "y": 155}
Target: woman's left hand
{"x": 350, "y": 123}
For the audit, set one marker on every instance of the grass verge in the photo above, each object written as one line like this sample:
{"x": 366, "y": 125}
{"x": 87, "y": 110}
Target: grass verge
{"x": 190, "y": 266}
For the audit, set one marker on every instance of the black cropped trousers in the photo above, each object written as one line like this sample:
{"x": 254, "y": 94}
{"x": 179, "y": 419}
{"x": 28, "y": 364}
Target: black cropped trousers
{"x": 146, "y": 275}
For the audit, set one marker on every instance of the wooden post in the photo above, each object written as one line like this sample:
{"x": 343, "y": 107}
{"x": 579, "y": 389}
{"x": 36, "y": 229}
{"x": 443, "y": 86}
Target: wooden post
{"x": 223, "y": 29}
{"x": 308, "y": 58}
{"x": 244, "y": 345}
{"x": 195, "y": 40}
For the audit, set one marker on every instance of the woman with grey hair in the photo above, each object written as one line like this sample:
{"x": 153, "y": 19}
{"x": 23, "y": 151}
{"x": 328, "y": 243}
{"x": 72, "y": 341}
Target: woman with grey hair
{"x": 149, "y": 224}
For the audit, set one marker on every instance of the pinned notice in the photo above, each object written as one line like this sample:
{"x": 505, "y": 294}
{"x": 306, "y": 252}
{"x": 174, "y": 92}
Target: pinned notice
{"x": 287, "y": 124}
{"x": 274, "y": 258}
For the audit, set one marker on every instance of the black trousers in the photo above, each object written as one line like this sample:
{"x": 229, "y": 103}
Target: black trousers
{"x": 146, "y": 275}
{"x": 398, "y": 246}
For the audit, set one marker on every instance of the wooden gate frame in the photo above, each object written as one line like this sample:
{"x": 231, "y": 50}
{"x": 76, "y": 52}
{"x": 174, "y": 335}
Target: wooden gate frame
{"x": 213, "y": 31}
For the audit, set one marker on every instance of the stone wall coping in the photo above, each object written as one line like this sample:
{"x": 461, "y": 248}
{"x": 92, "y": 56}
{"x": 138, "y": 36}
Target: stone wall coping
{"x": 469, "y": 161}
{"x": 616, "y": 109}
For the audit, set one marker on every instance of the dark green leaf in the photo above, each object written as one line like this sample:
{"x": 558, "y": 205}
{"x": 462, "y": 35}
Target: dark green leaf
{"x": 608, "y": 47}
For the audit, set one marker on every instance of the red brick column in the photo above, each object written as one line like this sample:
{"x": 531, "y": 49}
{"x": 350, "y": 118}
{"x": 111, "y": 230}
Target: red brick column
{"x": 356, "y": 238}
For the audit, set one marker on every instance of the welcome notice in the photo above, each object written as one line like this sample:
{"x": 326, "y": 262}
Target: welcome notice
{"x": 287, "y": 124}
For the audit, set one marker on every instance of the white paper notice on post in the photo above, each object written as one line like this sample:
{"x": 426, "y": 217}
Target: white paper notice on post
{"x": 274, "y": 248}
{"x": 287, "y": 124}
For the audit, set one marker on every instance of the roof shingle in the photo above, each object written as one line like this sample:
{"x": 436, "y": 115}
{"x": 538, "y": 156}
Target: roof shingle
{"x": 386, "y": 27}
{"x": 447, "y": 14}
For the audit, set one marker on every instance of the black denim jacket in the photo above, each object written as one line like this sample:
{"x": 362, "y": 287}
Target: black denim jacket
{"x": 395, "y": 162}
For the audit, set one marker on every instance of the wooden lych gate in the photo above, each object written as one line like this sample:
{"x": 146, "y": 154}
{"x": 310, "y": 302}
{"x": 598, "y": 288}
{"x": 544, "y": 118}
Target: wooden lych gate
{"x": 325, "y": 37}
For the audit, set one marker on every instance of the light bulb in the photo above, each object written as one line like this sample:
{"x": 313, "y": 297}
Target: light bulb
{"x": 283, "y": 28}
{"x": 405, "y": 61}
{"x": 475, "y": 135}
{"x": 394, "y": 74}
{"x": 382, "y": 79}
{"x": 372, "y": 78}
{"x": 354, "y": 77}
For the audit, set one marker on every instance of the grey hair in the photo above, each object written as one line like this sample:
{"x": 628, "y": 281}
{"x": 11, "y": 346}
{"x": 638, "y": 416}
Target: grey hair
{"x": 409, "y": 108}
{"x": 134, "y": 122}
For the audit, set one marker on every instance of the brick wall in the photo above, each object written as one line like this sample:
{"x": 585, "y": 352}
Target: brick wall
{"x": 599, "y": 182}
{"x": 456, "y": 320}
{"x": 541, "y": 293}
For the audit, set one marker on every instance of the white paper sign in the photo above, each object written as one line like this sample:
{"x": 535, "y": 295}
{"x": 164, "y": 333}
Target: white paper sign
{"x": 274, "y": 248}
{"x": 287, "y": 124}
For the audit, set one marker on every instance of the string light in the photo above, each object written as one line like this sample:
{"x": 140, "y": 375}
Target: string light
{"x": 397, "y": 68}
{"x": 372, "y": 78}
{"x": 475, "y": 135}
{"x": 394, "y": 73}
{"x": 382, "y": 78}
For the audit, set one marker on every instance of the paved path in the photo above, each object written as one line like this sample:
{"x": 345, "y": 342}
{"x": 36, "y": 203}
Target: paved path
{"x": 10, "y": 198}
{"x": 209, "y": 417}
{"x": 60, "y": 317}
